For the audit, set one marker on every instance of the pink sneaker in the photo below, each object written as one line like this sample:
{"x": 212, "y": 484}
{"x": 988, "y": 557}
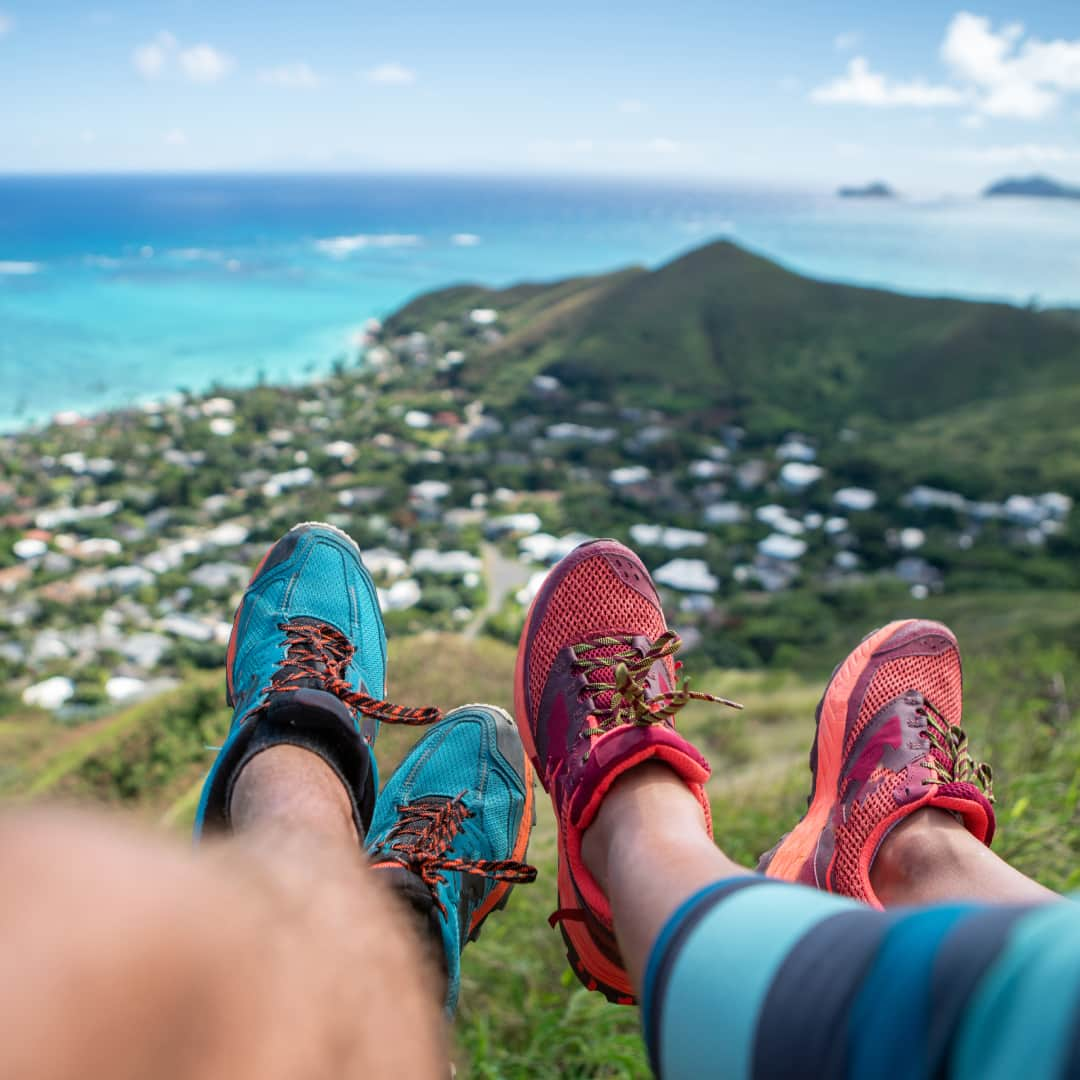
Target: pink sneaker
{"x": 595, "y": 694}
{"x": 888, "y": 743}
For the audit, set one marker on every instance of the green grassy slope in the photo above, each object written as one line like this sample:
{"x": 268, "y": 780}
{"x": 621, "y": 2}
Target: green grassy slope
{"x": 723, "y": 334}
{"x": 522, "y": 1014}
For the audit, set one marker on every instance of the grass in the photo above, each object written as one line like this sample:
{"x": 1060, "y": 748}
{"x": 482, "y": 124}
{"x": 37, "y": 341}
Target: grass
{"x": 522, "y": 1014}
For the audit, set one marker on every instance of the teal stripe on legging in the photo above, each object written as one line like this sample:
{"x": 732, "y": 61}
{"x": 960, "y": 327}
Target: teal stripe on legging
{"x": 892, "y": 1011}
{"x": 1019, "y": 1020}
{"x": 723, "y": 972}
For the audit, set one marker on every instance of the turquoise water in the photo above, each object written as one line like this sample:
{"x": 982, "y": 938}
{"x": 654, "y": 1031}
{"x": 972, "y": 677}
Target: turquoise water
{"x": 117, "y": 289}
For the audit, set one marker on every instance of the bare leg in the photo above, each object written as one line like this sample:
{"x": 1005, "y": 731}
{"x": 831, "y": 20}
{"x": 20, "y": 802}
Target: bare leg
{"x": 272, "y": 954}
{"x": 931, "y": 858}
{"x": 649, "y": 852}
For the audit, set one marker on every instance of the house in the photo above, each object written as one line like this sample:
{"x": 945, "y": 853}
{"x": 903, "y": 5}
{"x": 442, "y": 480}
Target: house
{"x": 855, "y": 499}
{"x": 385, "y": 564}
{"x": 445, "y": 563}
{"x": 570, "y": 432}
{"x": 522, "y": 524}
{"x": 777, "y": 517}
{"x": 781, "y": 547}
{"x": 724, "y": 513}
{"x": 796, "y": 448}
{"x": 751, "y": 474}
{"x": 629, "y": 475}
{"x": 50, "y": 694}
{"x": 667, "y": 537}
{"x": 922, "y": 497}
{"x": 430, "y": 490}
{"x": 542, "y": 547}
{"x": 400, "y": 596}
{"x": 797, "y": 476}
{"x": 687, "y": 575}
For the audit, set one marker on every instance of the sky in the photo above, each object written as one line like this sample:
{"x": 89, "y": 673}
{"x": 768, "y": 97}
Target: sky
{"x": 928, "y": 96}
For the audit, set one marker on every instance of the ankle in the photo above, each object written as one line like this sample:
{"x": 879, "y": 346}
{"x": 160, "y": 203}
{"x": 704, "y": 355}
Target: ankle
{"x": 647, "y": 801}
{"x": 288, "y": 787}
{"x": 914, "y": 852}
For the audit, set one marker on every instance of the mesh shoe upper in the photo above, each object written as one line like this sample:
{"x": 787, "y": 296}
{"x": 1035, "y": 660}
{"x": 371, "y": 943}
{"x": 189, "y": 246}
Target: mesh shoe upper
{"x": 306, "y": 666}
{"x": 893, "y": 711}
{"x": 596, "y": 695}
{"x": 455, "y": 818}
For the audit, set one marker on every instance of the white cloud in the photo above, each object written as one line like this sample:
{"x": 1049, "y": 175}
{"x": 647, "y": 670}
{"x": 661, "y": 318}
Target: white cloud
{"x": 464, "y": 239}
{"x": 152, "y": 57}
{"x": 847, "y": 41}
{"x": 340, "y": 247}
{"x": 294, "y": 76}
{"x": 998, "y": 72}
{"x": 861, "y": 86}
{"x": 391, "y": 74}
{"x": 7, "y": 24}
{"x": 204, "y": 64}
{"x": 1013, "y": 77}
{"x": 175, "y": 137}
{"x": 631, "y": 106}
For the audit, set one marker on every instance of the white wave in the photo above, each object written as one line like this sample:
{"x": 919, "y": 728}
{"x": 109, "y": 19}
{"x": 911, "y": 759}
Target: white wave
{"x": 465, "y": 239}
{"x": 341, "y": 247}
{"x": 18, "y": 268}
{"x": 197, "y": 254}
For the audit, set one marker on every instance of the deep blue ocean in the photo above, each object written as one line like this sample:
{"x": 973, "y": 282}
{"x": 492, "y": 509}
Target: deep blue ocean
{"x": 120, "y": 289}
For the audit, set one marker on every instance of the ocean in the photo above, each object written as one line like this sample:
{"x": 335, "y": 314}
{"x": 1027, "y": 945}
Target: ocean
{"x": 115, "y": 290}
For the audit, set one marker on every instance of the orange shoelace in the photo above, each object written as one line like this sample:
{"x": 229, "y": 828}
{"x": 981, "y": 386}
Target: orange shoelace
{"x": 421, "y": 837}
{"x": 317, "y": 651}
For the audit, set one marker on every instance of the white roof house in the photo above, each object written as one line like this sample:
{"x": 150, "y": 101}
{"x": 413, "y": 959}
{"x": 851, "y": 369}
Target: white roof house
{"x": 854, "y": 499}
{"x": 446, "y": 563}
{"x": 922, "y": 497}
{"x": 795, "y": 448}
{"x": 384, "y": 563}
{"x": 687, "y": 575}
{"x": 51, "y": 693}
{"x": 544, "y": 548}
{"x": 628, "y": 475}
{"x": 667, "y": 537}
{"x": 724, "y": 513}
{"x": 400, "y": 596}
{"x": 784, "y": 548}
{"x": 430, "y": 490}
{"x": 797, "y": 476}
{"x": 779, "y": 519}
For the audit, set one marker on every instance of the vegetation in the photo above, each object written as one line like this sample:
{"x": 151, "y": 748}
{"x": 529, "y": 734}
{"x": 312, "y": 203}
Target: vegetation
{"x": 522, "y": 1013}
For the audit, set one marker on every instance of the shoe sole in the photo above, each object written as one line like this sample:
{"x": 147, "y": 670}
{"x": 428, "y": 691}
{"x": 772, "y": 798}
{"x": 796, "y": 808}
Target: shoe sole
{"x": 791, "y": 854}
{"x": 230, "y": 652}
{"x": 598, "y": 973}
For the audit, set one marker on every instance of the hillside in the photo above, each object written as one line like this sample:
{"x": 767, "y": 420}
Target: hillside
{"x": 721, "y": 334}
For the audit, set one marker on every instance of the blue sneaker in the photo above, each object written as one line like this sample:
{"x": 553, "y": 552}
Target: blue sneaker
{"x": 452, "y": 827}
{"x": 306, "y": 666}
